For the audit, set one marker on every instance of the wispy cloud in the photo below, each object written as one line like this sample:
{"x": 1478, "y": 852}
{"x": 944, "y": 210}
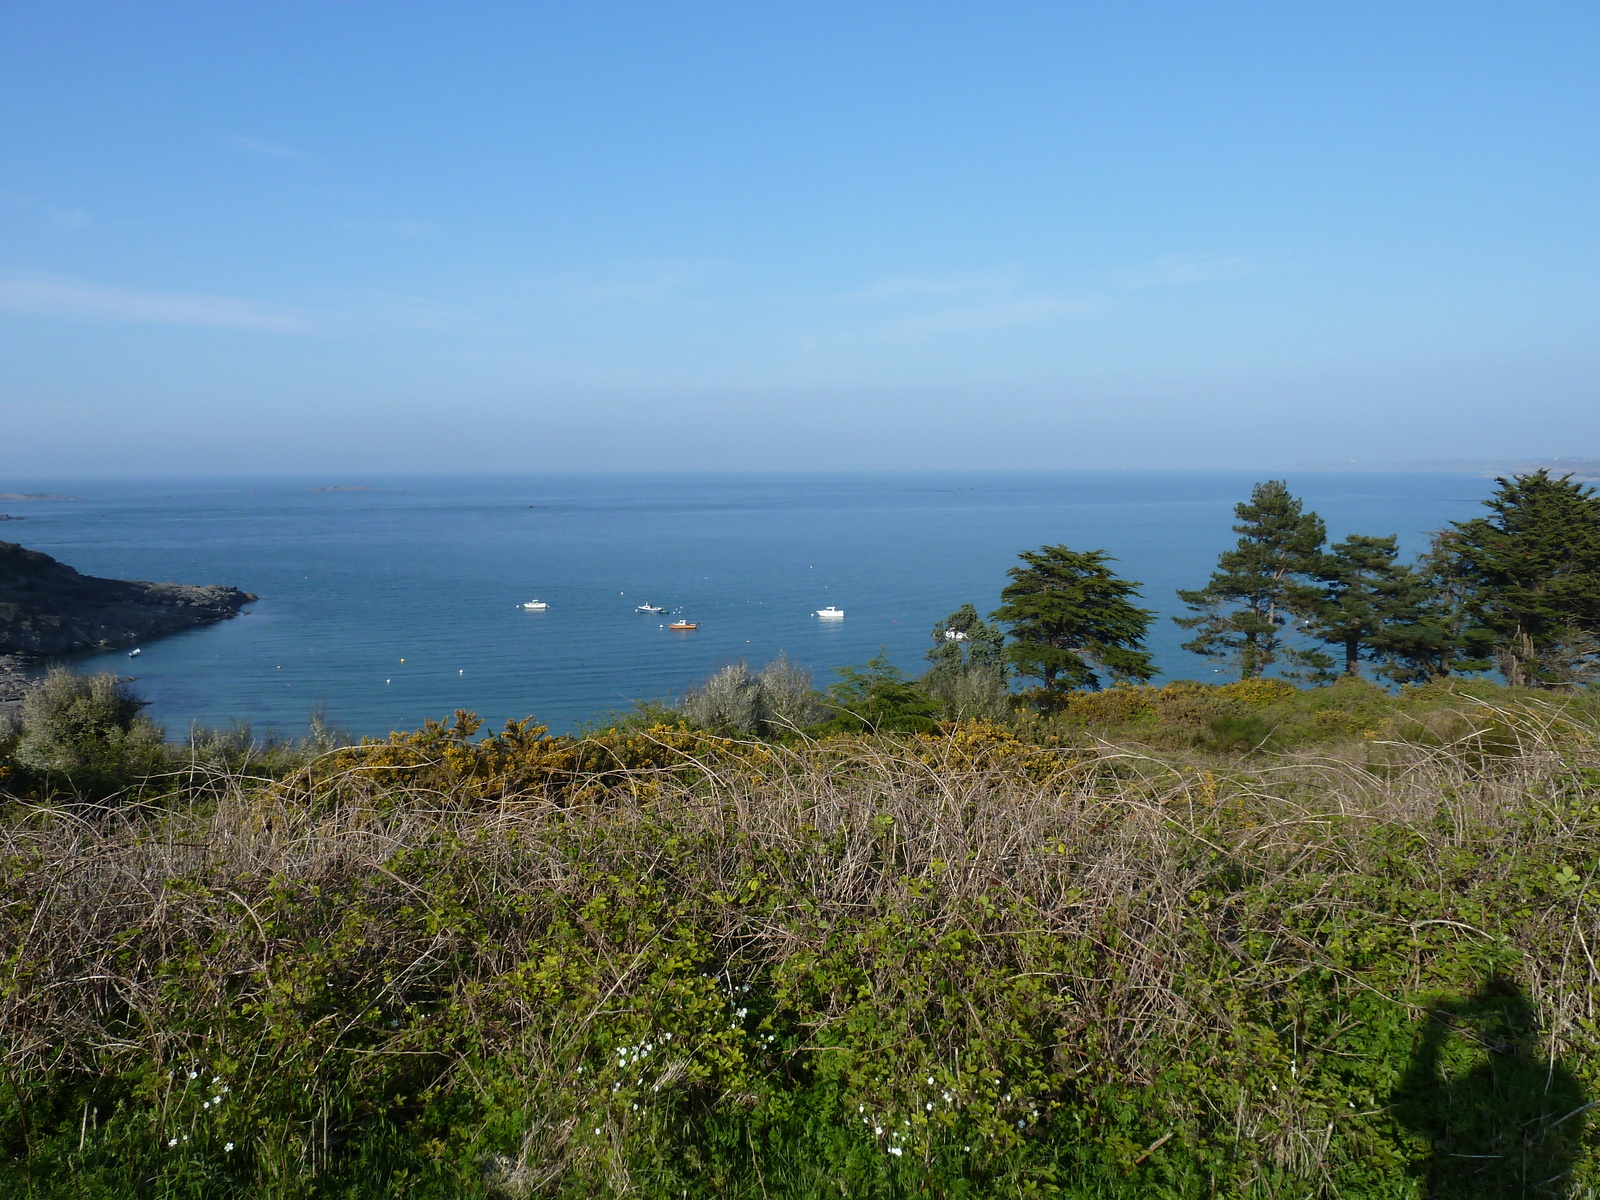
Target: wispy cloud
{"x": 997, "y": 314}
{"x": 260, "y": 147}
{"x": 392, "y": 229}
{"x": 60, "y": 296}
{"x": 962, "y": 285}
{"x": 644, "y": 283}
{"x": 930, "y": 305}
{"x": 68, "y": 218}
{"x": 1183, "y": 268}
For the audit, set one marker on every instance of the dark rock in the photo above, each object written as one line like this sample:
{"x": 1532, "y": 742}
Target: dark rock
{"x": 48, "y": 608}
{"x": 9, "y": 517}
{"x": 14, "y": 681}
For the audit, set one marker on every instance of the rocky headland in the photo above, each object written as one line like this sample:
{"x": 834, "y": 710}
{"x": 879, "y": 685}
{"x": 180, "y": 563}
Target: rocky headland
{"x": 47, "y": 608}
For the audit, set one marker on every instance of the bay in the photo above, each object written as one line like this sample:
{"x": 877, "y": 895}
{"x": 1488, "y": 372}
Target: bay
{"x": 404, "y": 600}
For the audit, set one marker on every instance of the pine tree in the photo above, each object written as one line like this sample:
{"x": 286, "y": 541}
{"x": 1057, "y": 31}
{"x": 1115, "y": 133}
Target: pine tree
{"x": 1259, "y": 584}
{"x": 1428, "y": 634}
{"x": 1071, "y": 618}
{"x": 1534, "y": 564}
{"x": 976, "y": 643}
{"x": 968, "y": 679}
{"x": 1364, "y": 592}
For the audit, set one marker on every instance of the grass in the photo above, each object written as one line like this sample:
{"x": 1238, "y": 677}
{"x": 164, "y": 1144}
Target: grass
{"x": 1129, "y": 949}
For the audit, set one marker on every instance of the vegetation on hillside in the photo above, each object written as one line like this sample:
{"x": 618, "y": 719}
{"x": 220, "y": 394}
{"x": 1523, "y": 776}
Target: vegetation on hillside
{"x": 974, "y": 961}
{"x": 899, "y": 937}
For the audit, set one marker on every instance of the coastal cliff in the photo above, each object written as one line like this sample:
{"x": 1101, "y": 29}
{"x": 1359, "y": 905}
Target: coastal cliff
{"x": 48, "y": 608}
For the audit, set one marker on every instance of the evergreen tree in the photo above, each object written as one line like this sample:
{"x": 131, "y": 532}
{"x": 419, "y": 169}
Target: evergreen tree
{"x": 1071, "y": 617}
{"x": 1428, "y": 634}
{"x": 879, "y": 697}
{"x": 1364, "y": 592}
{"x": 1259, "y": 584}
{"x": 976, "y": 643}
{"x": 1534, "y": 564}
{"x": 968, "y": 677}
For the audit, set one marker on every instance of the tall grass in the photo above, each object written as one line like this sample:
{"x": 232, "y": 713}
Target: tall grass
{"x": 938, "y": 965}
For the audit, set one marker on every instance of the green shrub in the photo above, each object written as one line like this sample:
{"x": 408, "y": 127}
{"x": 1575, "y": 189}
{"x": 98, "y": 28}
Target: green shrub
{"x": 87, "y": 732}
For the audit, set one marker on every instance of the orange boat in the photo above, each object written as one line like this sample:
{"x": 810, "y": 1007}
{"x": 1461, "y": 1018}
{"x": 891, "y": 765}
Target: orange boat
{"x": 683, "y": 625}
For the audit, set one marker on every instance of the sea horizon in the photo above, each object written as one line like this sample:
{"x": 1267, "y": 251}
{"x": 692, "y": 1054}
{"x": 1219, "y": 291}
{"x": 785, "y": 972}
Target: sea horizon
{"x": 386, "y": 599}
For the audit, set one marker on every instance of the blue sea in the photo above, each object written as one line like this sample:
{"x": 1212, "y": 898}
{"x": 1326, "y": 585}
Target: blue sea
{"x": 403, "y": 601}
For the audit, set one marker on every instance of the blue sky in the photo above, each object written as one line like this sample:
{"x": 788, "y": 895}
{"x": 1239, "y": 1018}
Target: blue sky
{"x": 254, "y": 238}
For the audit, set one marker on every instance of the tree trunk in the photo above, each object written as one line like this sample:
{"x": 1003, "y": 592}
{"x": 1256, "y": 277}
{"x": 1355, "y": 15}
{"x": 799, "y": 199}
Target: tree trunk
{"x": 1519, "y": 654}
{"x": 1352, "y": 655}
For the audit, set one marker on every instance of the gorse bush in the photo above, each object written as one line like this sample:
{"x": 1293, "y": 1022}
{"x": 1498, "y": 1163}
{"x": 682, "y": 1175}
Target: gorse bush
{"x": 661, "y": 962}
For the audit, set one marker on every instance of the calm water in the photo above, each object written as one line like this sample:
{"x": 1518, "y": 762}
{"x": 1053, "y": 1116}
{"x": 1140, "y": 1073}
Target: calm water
{"x": 434, "y": 572}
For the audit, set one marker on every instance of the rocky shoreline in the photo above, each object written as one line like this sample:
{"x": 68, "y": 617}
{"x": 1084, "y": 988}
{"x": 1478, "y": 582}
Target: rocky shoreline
{"x": 14, "y": 680}
{"x": 47, "y": 608}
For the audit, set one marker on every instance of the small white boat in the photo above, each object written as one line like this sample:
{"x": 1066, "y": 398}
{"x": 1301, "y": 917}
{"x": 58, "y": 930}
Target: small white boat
{"x": 536, "y": 605}
{"x": 135, "y": 652}
{"x": 649, "y": 608}
{"x": 831, "y": 613}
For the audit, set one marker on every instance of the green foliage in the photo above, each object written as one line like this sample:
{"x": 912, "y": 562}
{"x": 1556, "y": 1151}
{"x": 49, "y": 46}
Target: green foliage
{"x": 85, "y": 733}
{"x": 1259, "y": 585}
{"x": 878, "y": 697}
{"x": 967, "y": 680}
{"x": 1071, "y": 617}
{"x": 1429, "y": 633}
{"x": 830, "y": 974}
{"x": 964, "y": 640}
{"x": 1364, "y": 593}
{"x": 777, "y": 700}
{"x": 1534, "y": 566}
{"x": 1493, "y": 1111}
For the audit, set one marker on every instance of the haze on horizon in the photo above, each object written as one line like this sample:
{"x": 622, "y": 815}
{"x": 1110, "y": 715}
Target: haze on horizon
{"x": 627, "y": 236}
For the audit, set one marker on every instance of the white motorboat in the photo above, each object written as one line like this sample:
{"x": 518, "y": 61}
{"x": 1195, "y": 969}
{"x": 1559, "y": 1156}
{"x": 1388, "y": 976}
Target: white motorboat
{"x": 536, "y": 605}
{"x": 649, "y": 608}
{"x": 135, "y": 652}
{"x": 831, "y": 613}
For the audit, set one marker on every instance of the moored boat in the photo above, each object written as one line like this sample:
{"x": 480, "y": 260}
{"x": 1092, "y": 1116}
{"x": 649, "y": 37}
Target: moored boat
{"x": 681, "y": 624}
{"x": 536, "y": 605}
{"x": 831, "y": 613}
{"x": 649, "y": 608}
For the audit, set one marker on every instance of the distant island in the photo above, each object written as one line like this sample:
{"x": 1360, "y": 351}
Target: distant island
{"x": 358, "y": 488}
{"x": 33, "y": 496}
{"x": 9, "y": 517}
